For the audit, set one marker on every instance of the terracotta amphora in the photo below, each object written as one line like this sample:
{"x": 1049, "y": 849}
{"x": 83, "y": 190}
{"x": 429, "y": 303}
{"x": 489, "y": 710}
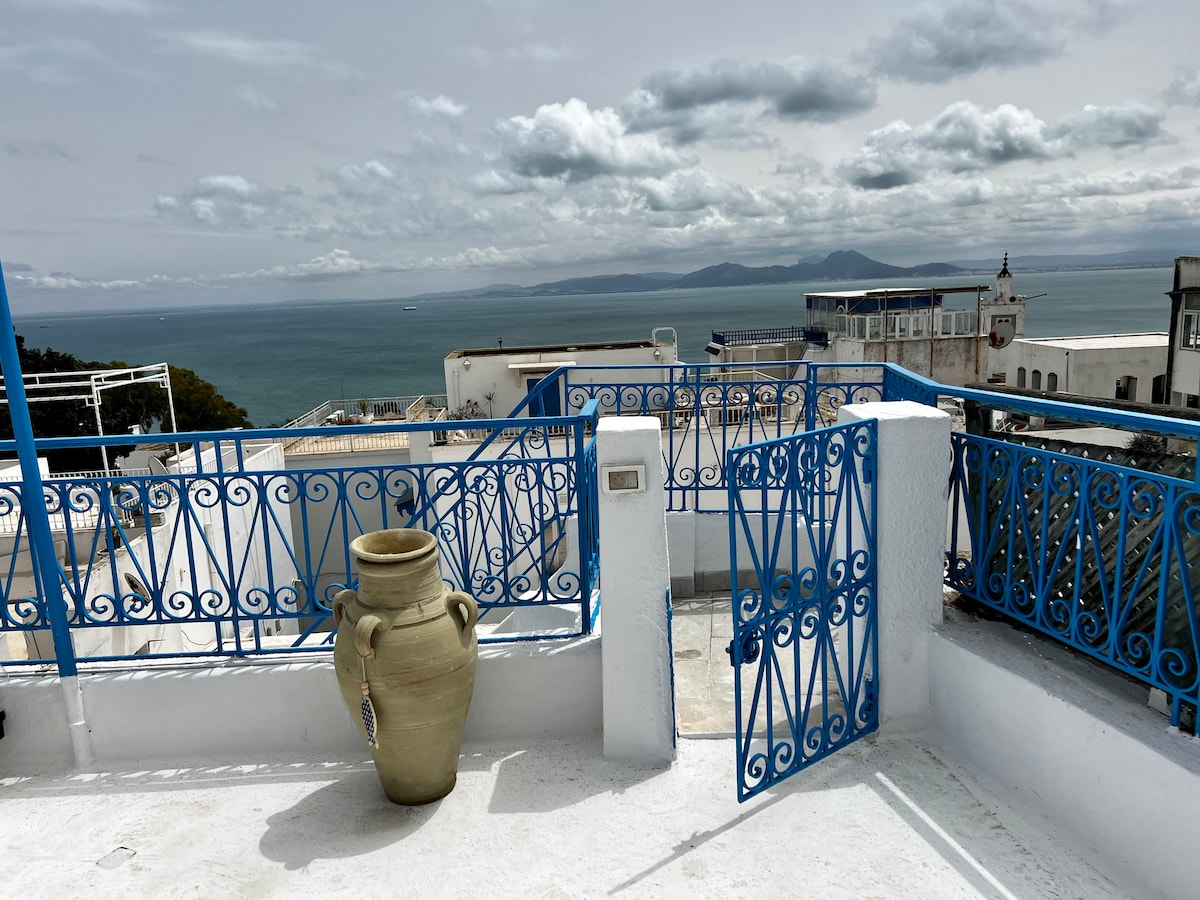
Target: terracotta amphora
{"x": 406, "y": 643}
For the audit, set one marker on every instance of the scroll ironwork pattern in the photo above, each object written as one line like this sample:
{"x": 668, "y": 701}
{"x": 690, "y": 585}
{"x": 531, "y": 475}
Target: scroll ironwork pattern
{"x": 1098, "y": 556}
{"x": 802, "y": 545}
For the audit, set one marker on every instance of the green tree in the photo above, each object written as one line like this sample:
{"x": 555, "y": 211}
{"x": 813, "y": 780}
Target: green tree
{"x": 198, "y": 407}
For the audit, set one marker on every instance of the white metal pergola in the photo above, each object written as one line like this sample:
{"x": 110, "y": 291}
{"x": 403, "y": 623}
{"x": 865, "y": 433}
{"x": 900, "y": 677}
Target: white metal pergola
{"x": 89, "y": 386}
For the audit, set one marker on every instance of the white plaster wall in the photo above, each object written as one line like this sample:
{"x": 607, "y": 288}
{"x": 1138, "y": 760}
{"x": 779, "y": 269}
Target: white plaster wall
{"x": 241, "y": 711}
{"x": 954, "y": 357}
{"x": 639, "y": 706}
{"x": 1088, "y": 372}
{"x": 36, "y": 738}
{"x": 1185, "y": 374}
{"x": 491, "y": 372}
{"x": 912, "y": 462}
{"x": 1075, "y": 743}
{"x": 699, "y": 549}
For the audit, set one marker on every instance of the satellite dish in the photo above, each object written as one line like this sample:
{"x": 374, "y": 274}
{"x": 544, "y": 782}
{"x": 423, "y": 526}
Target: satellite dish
{"x": 1004, "y": 329}
{"x": 156, "y": 467}
{"x": 136, "y": 585}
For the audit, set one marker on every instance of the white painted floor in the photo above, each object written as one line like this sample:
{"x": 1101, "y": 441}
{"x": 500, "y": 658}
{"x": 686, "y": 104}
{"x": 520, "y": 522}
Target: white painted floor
{"x": 893, "y": 818}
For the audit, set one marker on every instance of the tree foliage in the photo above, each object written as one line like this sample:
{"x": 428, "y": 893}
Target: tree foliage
{"x": 198, "y": 407}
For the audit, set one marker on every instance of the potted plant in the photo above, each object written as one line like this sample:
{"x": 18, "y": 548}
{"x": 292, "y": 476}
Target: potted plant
{"x": 365, "y": 416}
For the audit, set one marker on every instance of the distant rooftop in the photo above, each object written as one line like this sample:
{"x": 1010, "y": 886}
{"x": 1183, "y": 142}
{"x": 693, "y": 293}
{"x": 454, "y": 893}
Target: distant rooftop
{"x": 900, "y": 292}
{"x": 1103, "y": 341}
{"x": 553, "y": 348}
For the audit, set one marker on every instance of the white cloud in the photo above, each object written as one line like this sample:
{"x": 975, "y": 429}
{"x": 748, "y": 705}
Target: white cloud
{"x": 231, "y": 201}
{"x": 965, "y": 138}
{"x": 698, "y": 189}
{"x": 333, "y": 264}
{"x": 575, "y": 143}
{"x": 1120, "y": 125}
{"x": 440, "y": 106}
{"x": 370, "y": 180}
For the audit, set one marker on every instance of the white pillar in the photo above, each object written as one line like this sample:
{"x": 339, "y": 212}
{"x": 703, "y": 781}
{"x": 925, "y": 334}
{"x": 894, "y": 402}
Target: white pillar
{"x": 639, "y": 706}
{"x": 912, "y": 474}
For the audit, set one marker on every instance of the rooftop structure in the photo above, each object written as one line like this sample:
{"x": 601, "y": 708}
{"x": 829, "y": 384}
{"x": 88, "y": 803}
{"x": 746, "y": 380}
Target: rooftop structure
{"x": 910, "y": 326}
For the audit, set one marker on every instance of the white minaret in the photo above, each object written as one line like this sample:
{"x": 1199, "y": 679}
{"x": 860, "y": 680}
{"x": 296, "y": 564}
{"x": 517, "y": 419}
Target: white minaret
{"x": 1004, "y": 292}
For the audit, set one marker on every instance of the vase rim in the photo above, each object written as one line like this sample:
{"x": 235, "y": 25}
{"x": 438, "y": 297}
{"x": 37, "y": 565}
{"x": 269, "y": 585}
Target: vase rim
{"x": 393, "y": 545}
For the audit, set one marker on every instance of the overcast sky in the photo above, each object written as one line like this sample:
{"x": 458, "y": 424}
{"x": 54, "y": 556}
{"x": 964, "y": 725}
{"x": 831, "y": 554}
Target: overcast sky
{"x": 161, "y": 151}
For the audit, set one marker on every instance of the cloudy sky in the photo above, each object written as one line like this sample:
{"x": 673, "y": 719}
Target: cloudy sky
{"x": 162, "y": 151}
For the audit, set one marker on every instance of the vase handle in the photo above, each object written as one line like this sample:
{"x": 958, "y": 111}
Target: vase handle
{"x": 340, "y": 599}
{"x": 364, "y": 634}
{"x": 463, "y": 610}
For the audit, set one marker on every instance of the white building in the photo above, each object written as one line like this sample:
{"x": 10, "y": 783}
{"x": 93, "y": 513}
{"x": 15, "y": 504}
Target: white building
{"x": 489, "y": 381}
{"x": 1108, "y": 366}
{"x": 1183, "y": 366}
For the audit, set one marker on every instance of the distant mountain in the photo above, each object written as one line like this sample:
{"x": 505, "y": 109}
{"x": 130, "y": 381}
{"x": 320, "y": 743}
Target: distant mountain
{"x": 837, "y": 266}
{"x": 600, "y": 284}
{"x": 497, "y": 289}
{"x": 1126, "y": 259}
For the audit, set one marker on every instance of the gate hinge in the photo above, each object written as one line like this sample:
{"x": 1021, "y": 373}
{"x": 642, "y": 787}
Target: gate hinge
{"x": 868, "y": 468}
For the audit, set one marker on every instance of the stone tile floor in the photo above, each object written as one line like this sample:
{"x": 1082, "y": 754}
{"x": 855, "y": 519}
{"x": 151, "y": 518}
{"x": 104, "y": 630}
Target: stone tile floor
{"x": 701, "y": 629}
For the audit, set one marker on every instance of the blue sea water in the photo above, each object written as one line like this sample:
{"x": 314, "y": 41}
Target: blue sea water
{"x": 279, "y": 361}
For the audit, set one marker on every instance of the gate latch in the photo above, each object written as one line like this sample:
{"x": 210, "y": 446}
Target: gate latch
{"x": 750, "y": 648}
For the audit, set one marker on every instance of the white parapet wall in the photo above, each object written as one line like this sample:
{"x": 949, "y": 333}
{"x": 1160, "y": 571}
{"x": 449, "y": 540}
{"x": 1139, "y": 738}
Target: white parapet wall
{"x": 271, "y": 709}
{"x": 912, "y": 471}
{"x": 639, "y": 705}
{"x": 1076, "y": 740}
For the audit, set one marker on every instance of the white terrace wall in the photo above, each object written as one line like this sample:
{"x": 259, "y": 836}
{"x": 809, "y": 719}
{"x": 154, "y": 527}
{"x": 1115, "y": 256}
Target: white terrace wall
{"x": 471, "y": 377}
{"x": 268, "y": 710}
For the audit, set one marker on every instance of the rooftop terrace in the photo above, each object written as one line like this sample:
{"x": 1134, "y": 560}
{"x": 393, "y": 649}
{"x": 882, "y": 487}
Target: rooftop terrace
{"x": 985, "y": 761}
{"x": 548, "y": 818}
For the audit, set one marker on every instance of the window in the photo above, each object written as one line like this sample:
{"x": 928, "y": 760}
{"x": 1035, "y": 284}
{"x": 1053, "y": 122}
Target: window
{"x": 1189, "y": 335}
{"x": 1052, "y": 381}
{"x": 1036, "y": 384}
{"x": 1020, "y": 376}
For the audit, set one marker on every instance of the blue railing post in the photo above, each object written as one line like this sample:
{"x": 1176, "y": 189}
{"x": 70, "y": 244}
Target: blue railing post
{"x": 810, "y": 398}
{"x": 33, "y": 499}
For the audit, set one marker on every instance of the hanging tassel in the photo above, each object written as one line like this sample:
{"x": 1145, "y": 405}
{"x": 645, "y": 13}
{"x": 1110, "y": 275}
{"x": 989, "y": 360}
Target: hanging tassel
{"x": 368, "y": 709}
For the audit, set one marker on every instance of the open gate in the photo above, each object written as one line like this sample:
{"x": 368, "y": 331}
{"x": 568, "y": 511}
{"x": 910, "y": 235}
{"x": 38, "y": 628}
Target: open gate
{"x": 803, "y": 574}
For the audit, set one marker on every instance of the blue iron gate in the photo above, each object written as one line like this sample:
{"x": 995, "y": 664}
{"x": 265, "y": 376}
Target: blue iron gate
{"x": 803, "y": 570}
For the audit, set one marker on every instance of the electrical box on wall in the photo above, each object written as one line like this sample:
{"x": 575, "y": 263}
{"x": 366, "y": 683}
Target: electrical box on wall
{"x": 623, "y": 479}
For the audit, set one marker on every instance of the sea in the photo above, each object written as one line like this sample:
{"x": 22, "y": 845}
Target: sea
{"x": 278, "y": 361}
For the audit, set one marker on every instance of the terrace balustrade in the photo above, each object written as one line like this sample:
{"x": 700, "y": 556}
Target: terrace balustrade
{"x": 234, "y": 552}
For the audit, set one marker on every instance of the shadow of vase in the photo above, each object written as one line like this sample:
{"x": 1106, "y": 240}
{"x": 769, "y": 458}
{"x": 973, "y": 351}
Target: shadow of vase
{"x": 346, "y": 818}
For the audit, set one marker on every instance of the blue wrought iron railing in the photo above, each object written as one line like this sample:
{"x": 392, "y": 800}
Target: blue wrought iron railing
{"x": 1098, "y": 556}
{"x": 239, "y": 550}
{"x": 707, "y": 410}
{"x": 1097, "y": 548}
{"x": 804, "y": 575}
